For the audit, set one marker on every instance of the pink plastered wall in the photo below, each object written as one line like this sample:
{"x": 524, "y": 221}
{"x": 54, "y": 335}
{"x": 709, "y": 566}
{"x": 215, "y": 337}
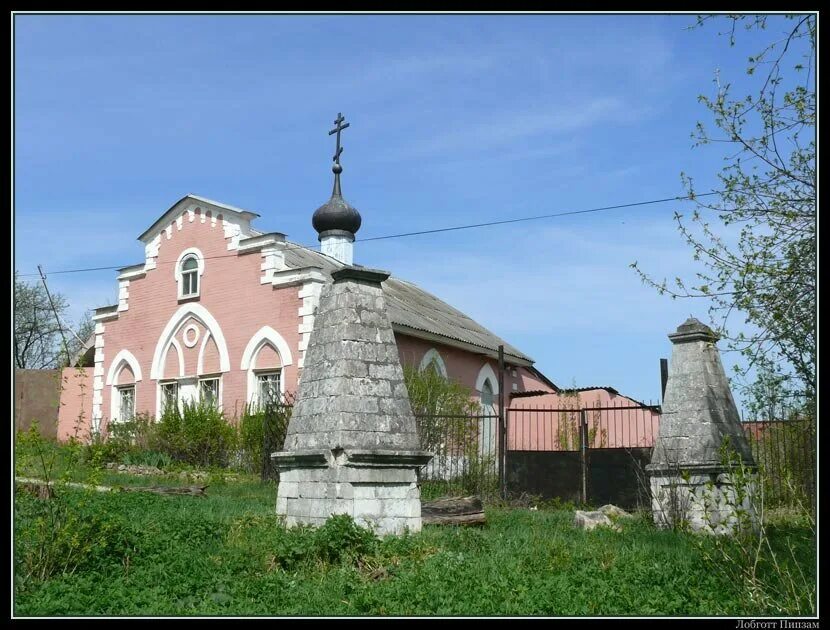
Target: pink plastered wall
{"x": 75, "y": 411}
{"x": 465, "y": 367}
{"x": 230, "y": 290}
{"x": 538, "y": 423}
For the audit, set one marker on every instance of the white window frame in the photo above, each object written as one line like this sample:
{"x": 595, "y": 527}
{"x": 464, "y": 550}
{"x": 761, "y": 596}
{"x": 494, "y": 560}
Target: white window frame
{"x": 258, "y": 374}
{"x": 211, "y": 377}
{"x": 119, "y": 390}
{"x": 265, "y": 335}
{"x": 179, "y": 275}
{"x": 190, "y": 277}
{"x": 163, "y": 398}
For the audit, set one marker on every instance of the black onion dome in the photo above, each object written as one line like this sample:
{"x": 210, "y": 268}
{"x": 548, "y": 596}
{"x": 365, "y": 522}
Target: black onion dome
{"x": 336, "y": 214}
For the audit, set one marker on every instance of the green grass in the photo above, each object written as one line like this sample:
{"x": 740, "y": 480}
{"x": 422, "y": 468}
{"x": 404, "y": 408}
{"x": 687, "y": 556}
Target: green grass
{"x": 227, "y": 555}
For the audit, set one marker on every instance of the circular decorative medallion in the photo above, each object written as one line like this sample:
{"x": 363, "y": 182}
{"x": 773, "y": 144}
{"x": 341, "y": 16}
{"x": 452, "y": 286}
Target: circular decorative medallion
{"x": 191, "y": 335}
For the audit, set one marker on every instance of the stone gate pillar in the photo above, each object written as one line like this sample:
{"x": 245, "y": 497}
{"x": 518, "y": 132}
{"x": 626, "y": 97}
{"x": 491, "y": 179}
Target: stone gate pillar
{"x": 692, "y": 481}
{"x": 351, "y": 446}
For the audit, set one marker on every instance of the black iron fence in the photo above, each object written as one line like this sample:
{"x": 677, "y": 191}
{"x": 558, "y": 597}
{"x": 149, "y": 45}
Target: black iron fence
{"x": 584, "y": 454}
{"x": 266, "y": 423}
{"x": 465, "y": 451}
{"x": 784, "y": 446}
{"x": 591, "y": 454}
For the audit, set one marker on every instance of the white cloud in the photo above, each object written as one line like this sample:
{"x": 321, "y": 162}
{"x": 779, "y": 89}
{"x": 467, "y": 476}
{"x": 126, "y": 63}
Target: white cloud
{"x": 497, "y": 130}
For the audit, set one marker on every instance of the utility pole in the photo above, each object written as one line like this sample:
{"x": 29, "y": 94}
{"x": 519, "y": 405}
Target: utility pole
{"x": 664, "y": 378}
{"x": 502, "y": 459}
{"x": 57, "y": 317}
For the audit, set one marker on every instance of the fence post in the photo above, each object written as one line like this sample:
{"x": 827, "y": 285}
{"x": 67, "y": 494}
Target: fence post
{"x": 502, "y": 455}
{"x": 583, "y": 448}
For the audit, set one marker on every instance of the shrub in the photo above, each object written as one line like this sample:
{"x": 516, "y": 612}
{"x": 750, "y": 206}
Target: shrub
{"x": 59, "y": 531}
{"x": 54, "y": 536}
{"x": 198, "y": 435}
{"x": 123, "y": 440}
{"x": 340, "y": 539}
{"x": 768, "y": 575}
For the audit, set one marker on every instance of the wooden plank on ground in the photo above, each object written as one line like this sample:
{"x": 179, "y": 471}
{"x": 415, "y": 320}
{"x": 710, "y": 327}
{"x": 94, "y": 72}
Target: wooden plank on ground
{"x": 196, "y": 491}
{"x": 453, "y": 511}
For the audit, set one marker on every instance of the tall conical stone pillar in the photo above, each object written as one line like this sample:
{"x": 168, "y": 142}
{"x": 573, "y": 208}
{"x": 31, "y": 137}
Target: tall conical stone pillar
{"x": 352, "y": 446}
{"x": 693, "y": 480}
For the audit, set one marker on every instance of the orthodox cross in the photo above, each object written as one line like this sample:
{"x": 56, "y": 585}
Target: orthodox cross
{"x": 337, "y": 169}
{"x": 339, "y": 126}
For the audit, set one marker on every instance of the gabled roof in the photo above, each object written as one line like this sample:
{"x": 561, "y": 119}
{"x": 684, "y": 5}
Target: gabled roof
{"x": 417, "y": 312}
{"x": 173, "y": 211}
{"x": 412, "y": 310}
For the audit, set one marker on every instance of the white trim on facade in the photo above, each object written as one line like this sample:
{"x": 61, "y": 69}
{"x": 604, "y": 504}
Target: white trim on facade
{"x": 200, "y": 269}
{"x": 185, "y": 311}
{"x": 200, "y": 360}
{"x": 432, "y": 355}
{"x": 487, "y": 372}
{"x": 151, "y": 252}
{"x": 309, "y": 293}
{"x": 123, "y": 294}
{"x": 180, "y": 355}
{"x": 98, "y": 378}
{"x": 488, "y": 427}
{"x": 188, "y": 329}
{"x": 124, "y": 357}
{"x": 264, "y": 336}
{"x": 115, "y": 400}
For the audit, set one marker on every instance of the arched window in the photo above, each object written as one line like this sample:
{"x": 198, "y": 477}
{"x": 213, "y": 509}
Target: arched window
{"x": 487, "y": 385}
{"x": 265, "y": 358}
{"x": 188, "y": 272}
{"x": 432, "y": 360}
{"x": 123, "y": 376}
{"x": 487, "y": 394}
{"x": 190, "y": 277}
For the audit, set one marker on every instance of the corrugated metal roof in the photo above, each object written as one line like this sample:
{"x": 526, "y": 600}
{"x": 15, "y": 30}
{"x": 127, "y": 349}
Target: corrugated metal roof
{"x": 412, "y": 307}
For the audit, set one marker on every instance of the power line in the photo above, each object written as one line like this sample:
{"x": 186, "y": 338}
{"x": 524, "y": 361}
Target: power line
{"x": 541, "y": 216}
{"x": 436, "y": 230}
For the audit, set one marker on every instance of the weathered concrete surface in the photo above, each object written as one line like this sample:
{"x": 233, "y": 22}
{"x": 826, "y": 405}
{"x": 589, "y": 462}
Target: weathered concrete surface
{"x": 351, "y": 445}
{"x": 691, "y": 483}
{"x": 613, "y": 512}
{"x": 591, "y": 520}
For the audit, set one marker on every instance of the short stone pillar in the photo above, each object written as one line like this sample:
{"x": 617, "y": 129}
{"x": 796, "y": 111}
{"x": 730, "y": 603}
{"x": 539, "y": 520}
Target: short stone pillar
{"x": 352, "y": 446}
{"x": 702, "y": 474}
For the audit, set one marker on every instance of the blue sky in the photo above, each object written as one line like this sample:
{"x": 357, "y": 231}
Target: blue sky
{"x": 454, "y": 120}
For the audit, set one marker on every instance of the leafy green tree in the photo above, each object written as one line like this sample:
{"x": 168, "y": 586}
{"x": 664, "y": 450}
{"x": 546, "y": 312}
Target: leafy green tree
{"x": 443, "y": 407}
{"x": 39, "y": 334}
{"x": 767, "y": 193}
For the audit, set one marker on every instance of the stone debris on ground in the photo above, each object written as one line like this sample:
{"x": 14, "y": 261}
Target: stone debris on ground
{"x": 135, "y": 469}
{"x": 606, "y": 516}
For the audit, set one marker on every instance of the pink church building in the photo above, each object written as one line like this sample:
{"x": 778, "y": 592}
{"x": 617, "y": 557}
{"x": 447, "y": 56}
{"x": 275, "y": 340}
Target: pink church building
{"x": 221, "y": 311}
